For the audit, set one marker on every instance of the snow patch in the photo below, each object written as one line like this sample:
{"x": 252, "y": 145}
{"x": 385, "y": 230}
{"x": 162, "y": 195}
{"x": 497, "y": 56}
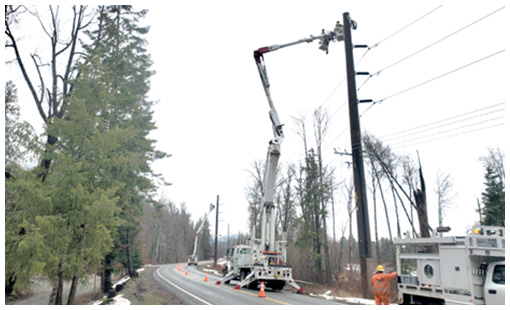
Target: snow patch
{"x": 121, "y": 281}
{"x": 349, "y": 300}
{"x": 119, "y": 300}
{"x": 213, "y": 272}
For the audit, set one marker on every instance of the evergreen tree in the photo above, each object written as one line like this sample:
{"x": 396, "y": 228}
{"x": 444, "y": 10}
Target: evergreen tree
{"x": 119, "y": 45}
{"x": 493, "y": 199}
{"x": 204, "y": 241}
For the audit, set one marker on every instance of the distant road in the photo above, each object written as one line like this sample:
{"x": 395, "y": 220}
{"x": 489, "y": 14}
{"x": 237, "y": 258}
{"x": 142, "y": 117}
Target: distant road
{"x": 194, "y": 290}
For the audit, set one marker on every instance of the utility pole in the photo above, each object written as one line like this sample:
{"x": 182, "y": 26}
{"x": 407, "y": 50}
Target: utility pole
{"x": 364, "y": 240}
{"x": 216, "y": 233}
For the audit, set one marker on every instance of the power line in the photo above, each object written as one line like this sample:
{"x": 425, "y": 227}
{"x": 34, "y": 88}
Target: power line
{"x": 364, "y": 54}
{"x": 412, "y": 131}
{"x": 359, "y": 60}
{"x": 403, "y": 28}
{"x": 449, "y": 136}
{"x": 450, "y": 130}
{"x": 436, "y": 42}
{"x": 437, "y": 77}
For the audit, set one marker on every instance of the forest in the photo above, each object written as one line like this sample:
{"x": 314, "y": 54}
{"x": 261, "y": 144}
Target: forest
{"x": 89, "y": 206}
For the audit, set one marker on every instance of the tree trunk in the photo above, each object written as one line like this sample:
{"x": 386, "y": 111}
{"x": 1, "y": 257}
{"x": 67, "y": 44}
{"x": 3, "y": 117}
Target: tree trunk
{"x": 374, "y": 196}
{"x": 58, "y": 284}
{"x": 326, "y": 252}
{"x": 335, "y": 252}
{"x": 421, "y": 208}
{"x": 399, "y": 233}
{"x": 72, "y": 291}
{"x": 106, "y": 276}
{"x": 131, "y": 269}
{"x": 53, "y": 293}
{"x": 60, "y": 287}
{"x": 384, "y": 203}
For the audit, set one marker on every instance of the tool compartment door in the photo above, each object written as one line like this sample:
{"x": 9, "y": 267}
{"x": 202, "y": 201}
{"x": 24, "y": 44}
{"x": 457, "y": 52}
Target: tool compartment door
{"x": 454, "y": 271}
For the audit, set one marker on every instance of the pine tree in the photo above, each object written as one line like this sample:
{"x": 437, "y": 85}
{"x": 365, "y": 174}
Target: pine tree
{"x": 493, "y": 199}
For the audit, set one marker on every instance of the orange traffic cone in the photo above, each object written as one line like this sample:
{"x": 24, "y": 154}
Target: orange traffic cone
{"x": 262, "y": 292}
{"x": 205, "y": 279}
{"x": 186, "y": 273}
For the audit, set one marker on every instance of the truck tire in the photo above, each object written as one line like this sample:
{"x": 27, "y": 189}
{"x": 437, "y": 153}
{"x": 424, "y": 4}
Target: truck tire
{"x": 253, "y": 285}
{"x": 276, "y": 285}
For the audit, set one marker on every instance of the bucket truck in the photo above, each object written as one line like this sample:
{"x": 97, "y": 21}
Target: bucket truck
{"x": 265, "y": 259}
{"x": 463, "y": 270}
{"x": 192, "y": 259}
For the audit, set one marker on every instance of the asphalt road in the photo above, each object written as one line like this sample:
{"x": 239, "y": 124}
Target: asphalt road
{"x": 194, "y": 290}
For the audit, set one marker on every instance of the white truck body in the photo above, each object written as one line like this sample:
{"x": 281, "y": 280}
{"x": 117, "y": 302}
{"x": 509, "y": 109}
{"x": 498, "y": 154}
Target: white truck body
{"x": 453, "y": 270}
{"x": 246, "y": 264}
{"x": 265, "y": 259}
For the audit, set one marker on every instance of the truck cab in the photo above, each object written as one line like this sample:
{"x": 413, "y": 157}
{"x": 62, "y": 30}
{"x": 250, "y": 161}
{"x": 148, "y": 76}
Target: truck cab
{"x": 494, "y": 288}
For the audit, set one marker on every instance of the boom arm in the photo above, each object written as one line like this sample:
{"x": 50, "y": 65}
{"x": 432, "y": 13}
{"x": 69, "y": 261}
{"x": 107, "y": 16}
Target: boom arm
{"x": 273, "y": 154}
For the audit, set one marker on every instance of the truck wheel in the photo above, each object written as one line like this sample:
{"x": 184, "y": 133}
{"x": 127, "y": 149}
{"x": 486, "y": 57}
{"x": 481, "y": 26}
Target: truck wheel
{"x": 276, "y": 285}
{"x": 253, "y": 285}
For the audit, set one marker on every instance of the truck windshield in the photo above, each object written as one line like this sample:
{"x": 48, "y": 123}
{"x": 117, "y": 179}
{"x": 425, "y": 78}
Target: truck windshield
{"x": 498, "y": 276}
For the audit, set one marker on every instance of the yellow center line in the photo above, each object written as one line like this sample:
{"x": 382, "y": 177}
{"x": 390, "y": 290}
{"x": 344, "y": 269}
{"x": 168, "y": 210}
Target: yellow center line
{"x": 268, "y": 298}
{"x": 230, "y": 288}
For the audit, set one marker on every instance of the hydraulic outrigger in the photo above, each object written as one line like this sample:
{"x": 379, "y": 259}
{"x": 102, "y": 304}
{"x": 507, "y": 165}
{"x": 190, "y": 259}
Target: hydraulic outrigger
{"x": 266, "y": 259}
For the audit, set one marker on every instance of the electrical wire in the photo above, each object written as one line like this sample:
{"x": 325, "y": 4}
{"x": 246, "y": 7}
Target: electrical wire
{"x": 436, "y": 42}
{"x": 403, "y": 28}
{"x": 450, "y": 136}
{"x": 449, "y": 130}
{"x": 364, "y": 54}
{"x": 438, "y": 77}
{"x": 404, "y": 133}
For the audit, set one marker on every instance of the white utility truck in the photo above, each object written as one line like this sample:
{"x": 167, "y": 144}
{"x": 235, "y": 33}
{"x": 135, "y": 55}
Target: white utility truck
{"x": 265, "y": 259}
{"x": 453, "y": 270}
{"x": 193, "y": 259}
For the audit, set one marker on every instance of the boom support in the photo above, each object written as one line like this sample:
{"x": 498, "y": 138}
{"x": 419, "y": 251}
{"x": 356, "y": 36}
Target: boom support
{"x": 268, "y": 221}
{"x": 265, "y": 259}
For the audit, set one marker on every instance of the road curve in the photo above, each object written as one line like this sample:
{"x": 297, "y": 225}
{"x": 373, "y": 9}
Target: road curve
{"x": 193, "y": 289}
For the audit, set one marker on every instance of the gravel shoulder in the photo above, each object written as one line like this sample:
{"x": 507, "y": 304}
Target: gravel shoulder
{"x": 145, "y": 290}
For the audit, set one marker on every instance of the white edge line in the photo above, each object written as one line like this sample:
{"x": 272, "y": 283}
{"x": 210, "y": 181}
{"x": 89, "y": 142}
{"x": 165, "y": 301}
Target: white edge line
{"x": 196, "y": 297}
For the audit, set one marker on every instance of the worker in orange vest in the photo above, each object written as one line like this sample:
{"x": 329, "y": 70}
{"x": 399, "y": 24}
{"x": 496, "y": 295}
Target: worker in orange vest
{"x": 381, "y": 285}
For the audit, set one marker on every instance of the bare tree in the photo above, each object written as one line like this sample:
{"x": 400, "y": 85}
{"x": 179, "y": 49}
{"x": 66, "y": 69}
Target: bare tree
{"x": 321, "y": 120}
{"x": 496, "y": 161}
{"x": 50, "y": 89}
{"x": 254, "y": 193}
{"x": 445, "y": 194}
{"x": 348, "y": 193}
{"x": 301, "y": 130}
{"x": 285, "y": 200}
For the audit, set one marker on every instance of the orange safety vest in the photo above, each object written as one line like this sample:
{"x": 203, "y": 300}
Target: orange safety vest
{"x": 381, "y": 283}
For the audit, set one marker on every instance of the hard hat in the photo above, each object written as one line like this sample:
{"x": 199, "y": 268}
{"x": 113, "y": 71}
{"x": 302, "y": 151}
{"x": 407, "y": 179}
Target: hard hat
{"x": 380, "y": 268}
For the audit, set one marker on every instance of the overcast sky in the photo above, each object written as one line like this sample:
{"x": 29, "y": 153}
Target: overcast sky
{"x": 212, "y": 114}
